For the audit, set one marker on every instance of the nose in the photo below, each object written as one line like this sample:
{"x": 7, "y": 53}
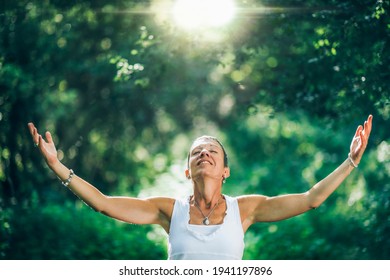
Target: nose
{"x": 204, "y": 153}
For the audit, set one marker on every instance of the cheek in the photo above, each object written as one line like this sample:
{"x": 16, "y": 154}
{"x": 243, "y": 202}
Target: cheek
{"x": 220, "y": 159}
{"x": 192, "y": 161}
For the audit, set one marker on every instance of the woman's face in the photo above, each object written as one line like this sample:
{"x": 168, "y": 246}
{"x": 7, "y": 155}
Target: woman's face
{"x": 206, "y": 159}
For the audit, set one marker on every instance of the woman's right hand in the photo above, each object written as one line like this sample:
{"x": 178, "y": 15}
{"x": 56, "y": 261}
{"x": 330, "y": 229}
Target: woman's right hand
{"x": 47, "y": 149}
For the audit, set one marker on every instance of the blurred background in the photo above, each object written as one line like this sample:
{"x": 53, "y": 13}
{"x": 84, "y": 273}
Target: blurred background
{"x": 125, "y": 86}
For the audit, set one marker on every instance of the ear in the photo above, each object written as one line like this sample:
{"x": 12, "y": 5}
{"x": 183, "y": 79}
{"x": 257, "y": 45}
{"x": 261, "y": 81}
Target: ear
{"x": 226, "y": 172}
{"x": 187, "y": 172}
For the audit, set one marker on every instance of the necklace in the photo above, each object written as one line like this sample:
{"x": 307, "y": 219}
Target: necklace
{"x": 206, "y": 220}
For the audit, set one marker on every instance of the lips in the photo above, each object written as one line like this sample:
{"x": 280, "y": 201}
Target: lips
{"x": 203, "y": 161}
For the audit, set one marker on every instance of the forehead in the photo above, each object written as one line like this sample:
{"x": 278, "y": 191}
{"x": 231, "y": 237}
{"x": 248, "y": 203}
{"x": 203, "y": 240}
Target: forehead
{"x": 205, "y": 142}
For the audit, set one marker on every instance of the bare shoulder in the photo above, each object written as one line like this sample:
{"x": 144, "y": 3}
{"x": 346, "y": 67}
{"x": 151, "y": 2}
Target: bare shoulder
{"x": 248, "y": 203}
{"x": 163, "y": 204}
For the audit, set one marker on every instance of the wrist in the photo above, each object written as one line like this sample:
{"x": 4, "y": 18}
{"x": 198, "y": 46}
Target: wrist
{"x": 352, "y": 162}
{"x": 55, "y": 166}
{"x": 66, "y": 182}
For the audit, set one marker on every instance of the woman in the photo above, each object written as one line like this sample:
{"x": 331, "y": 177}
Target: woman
{"x": 207, "y": 225}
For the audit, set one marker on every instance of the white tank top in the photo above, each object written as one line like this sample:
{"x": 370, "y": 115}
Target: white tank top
{"x": 200, "y": 242}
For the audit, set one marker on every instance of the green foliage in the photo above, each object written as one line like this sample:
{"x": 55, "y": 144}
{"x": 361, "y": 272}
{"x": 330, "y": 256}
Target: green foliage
{"x": 64, "y": 232}
{"x": 124, "y": 93}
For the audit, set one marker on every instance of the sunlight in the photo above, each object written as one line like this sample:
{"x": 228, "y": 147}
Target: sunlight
{"x": 198, "y": 14}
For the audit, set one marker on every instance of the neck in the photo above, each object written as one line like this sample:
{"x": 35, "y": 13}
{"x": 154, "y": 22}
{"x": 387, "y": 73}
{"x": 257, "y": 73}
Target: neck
{"x": 207, "y": 192}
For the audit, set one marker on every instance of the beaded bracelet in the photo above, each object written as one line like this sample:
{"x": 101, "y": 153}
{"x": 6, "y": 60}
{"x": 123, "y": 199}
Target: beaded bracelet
{"x": 67, "y": 181}
{"x": 352, "y": 163}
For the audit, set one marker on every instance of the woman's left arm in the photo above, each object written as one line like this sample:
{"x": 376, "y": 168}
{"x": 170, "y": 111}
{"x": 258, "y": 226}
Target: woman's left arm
{"x": 323, "y": 189}
{"x": 262, "y": 208}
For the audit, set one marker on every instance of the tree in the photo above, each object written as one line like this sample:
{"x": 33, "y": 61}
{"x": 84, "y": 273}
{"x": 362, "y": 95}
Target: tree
{"x": 124, "y": 92}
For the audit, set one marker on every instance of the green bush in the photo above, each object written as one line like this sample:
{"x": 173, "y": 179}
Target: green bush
{"x": 65, "y": 232}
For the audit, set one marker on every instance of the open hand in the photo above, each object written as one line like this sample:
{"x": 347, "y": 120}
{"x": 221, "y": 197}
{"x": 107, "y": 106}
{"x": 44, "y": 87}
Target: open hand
{"x": 47, "y": 148}
{"x": 360, "y": 140}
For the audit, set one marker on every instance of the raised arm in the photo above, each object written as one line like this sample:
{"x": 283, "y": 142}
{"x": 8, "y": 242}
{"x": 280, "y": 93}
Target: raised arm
{"x": 131, "y": 210}
{"x": 258, "y": 208}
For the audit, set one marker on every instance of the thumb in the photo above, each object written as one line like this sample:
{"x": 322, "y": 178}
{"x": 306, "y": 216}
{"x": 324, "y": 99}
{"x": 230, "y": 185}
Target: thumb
{"x": 48, "y": 137}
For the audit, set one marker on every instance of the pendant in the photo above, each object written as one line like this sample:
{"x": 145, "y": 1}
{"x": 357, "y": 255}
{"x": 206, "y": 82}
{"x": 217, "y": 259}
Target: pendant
{"x": 206, "y": 221}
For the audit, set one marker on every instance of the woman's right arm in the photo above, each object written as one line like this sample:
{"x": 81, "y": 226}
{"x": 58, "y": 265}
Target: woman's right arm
{"x": 131, "y": 210}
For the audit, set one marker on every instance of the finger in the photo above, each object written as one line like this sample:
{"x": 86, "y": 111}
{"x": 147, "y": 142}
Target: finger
{"x": 48, "y": 137}
{"x": 364, "y": 127}
{"x": 368, "y": 126}
{"x": 363, "y": 138}
{"x": 39, "y": 142}
{"x": 31, "y": 128}
{"x": 35, "y": 136}
{"x": 358, "y": 130}
{"x": 366, "y": 131}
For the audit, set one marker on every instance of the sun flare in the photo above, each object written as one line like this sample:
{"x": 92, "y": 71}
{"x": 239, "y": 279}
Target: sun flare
{"x": 198, "y": 14}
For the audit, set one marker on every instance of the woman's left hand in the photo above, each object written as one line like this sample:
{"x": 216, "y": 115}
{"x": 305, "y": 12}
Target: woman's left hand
{"x": 360, "y": 140}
